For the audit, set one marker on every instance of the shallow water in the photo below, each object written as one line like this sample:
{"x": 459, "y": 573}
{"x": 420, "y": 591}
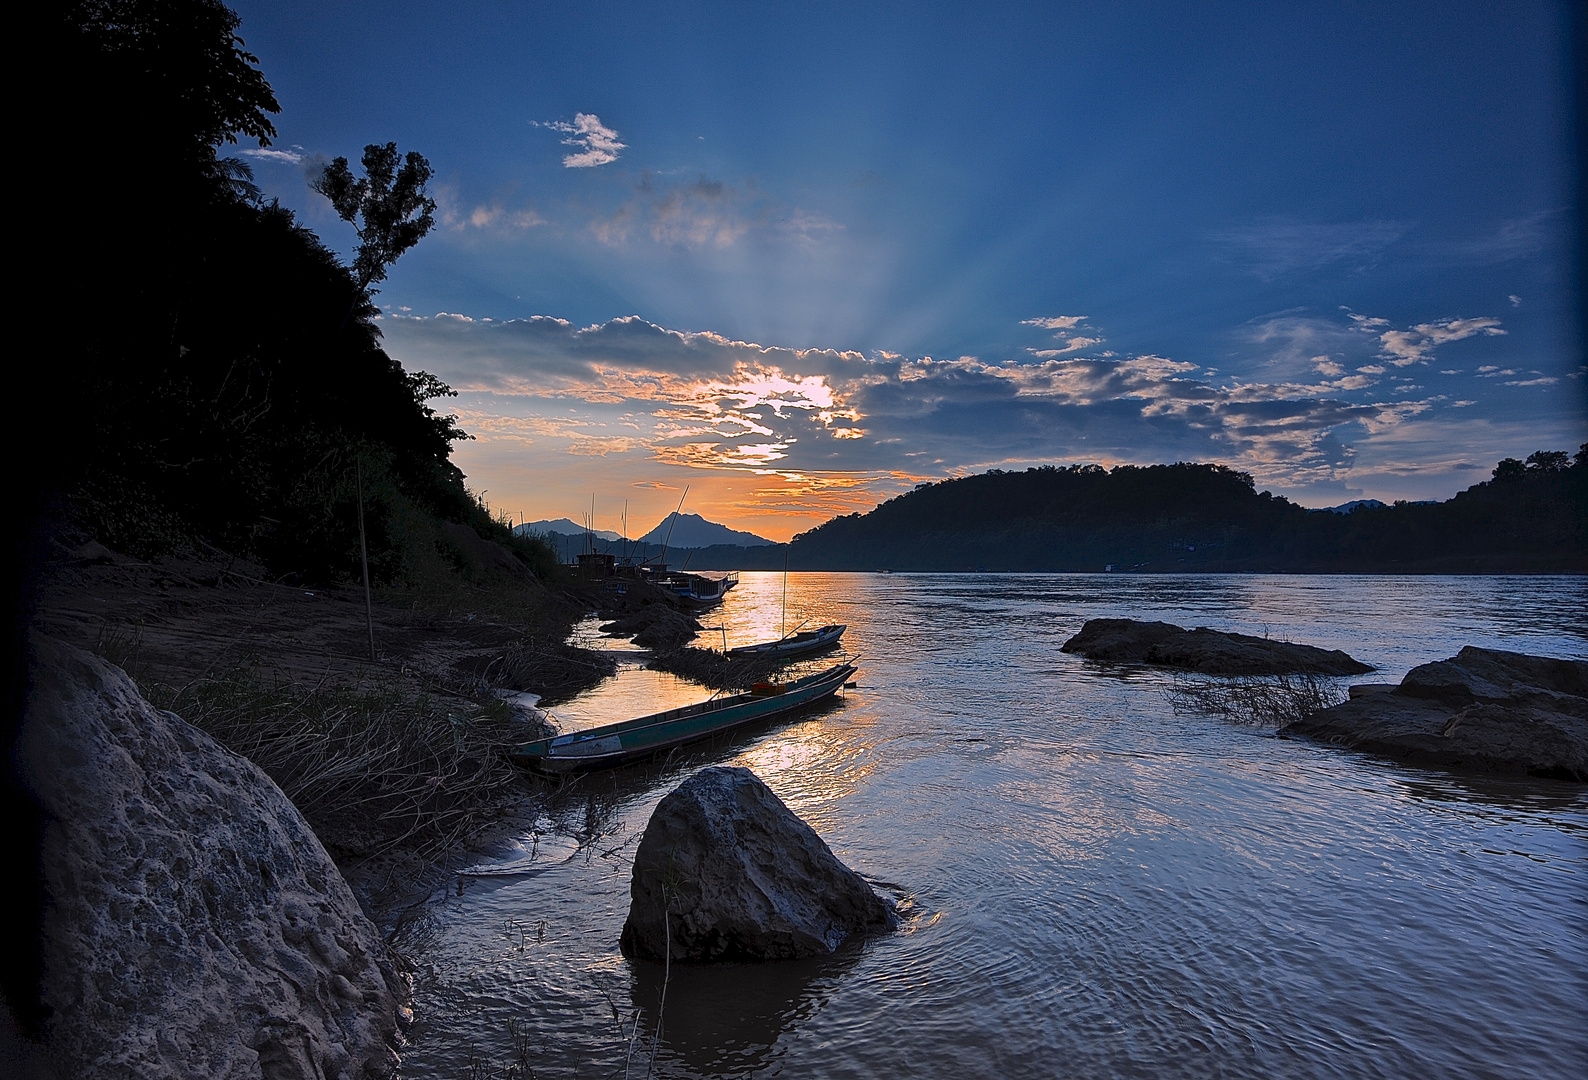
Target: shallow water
{"x": 1095, "y": 886}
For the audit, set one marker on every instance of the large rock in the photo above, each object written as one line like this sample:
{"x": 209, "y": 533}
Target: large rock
{"x": 1211, "y": 652}
{"x": 741, "y": 878}
{"x": 1483, "y": 710}
{"x": 194, "y": 926}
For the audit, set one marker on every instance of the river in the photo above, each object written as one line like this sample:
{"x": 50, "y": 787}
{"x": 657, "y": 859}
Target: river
{"x": 1093, "y": 885}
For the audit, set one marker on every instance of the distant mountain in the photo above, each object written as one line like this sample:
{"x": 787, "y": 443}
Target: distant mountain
{"x": 1355, "y": 504}
{"x": 562, "y": 527}
{"x": 694, "y": 531}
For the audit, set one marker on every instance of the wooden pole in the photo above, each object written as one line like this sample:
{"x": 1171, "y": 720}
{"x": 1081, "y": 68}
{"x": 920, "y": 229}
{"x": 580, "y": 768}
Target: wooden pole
{"x": 784, "y": 627}
{"x": 363, "y": 553}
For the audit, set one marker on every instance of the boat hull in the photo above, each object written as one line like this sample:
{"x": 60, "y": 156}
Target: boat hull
{"x": 632, "y": 740}
{"x": 800, "y": 645}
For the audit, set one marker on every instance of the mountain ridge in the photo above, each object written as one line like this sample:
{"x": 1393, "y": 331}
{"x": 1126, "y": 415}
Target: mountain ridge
{"x": 562, "y": 527}
{"x": 694, "y": 531}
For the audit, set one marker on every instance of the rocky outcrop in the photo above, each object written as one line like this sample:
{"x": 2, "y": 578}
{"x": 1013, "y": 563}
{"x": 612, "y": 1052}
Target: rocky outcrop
{"x": 1211, "y": 652}
{"x": 1483, "y": 710}
{"x": 740, "y": 877}
{"x": 194, "y": 926}
{"x": 654, "y": 626}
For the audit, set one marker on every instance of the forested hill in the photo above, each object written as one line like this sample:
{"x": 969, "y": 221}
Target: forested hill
{"x": 1531, "y": 516}
{"x": 213, "y": 375}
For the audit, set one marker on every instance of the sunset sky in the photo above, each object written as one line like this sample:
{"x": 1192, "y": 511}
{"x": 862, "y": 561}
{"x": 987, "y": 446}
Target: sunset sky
{"x": 801, "y": 260}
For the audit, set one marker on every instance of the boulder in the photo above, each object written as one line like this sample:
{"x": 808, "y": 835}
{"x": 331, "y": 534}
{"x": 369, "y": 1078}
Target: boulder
{"x": 1483, "y": 710}
{"x": 740, "y": 877}
{"x": 1211, "y": 652}
{"x": 193, "y": 926}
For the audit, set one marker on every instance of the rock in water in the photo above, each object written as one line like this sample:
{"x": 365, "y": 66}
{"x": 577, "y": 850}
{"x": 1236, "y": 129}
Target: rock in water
{"x": 194, "y": 926}
{"x": 1484, "y": 709}
{"x": 1211, "y": 652}
{"x": 742, "y": 878}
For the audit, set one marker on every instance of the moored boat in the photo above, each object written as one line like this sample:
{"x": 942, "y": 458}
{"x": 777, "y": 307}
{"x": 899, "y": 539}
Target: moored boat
{"x": 786, "y": 648}
{"x": 631, "y": 740}
{"x": 700, "y": 589}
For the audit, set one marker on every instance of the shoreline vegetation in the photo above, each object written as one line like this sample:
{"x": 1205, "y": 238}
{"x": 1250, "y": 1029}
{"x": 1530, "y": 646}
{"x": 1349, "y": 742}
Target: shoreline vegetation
{"x": 399, "y": 764}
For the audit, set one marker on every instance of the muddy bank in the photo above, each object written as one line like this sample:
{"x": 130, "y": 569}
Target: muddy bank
{"x": 395, "y": 761}
{"x": 655, "y": 620}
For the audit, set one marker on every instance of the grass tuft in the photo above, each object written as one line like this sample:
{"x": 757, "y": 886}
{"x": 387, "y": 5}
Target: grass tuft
{"x": 371, "y": 771}
{"x": 1270, "y": 701}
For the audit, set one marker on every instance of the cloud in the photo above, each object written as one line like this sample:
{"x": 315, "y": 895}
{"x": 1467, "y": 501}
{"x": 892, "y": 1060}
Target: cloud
{"x": 1295, "y": 343}
{"x": 276, "y": 156}
{"x": 832, "y": 430}
{"x": 1273, "y": 247}
{"x": 1406, "y": 347}
{"x": 1516, "y": 301}
{"x": 827, "y": 419}
{"x": 494, "y": 216}
{"x": 807, "y": 224}
{"x": 1062, "y": 325}
{"x": 1074, "y": 344}
{"x": 706, "y": 213}
{"x": 1516, "y": 238}
{"x": 599, "y": 142}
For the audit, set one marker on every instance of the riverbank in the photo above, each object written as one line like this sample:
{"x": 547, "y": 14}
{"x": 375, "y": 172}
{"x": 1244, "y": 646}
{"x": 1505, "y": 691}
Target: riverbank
{"x": 394, "y": 761}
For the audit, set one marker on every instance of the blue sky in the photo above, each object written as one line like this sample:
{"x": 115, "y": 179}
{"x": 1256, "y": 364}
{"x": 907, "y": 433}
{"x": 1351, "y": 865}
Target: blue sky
{"x": 800, "y": 261}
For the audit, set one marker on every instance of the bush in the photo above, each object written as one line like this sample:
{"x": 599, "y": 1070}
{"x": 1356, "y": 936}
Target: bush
{"x": 1270, "y": 701}
{"x": 371, "y": 771}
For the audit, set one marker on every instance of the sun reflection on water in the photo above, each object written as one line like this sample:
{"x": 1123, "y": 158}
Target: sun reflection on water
{"x": 1092, "y": 878}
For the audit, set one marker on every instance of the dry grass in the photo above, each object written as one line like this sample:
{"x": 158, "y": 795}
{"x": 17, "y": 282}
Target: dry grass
{"x": 372, "y": 771}
{"x": 711, "y": 668}
{"x": 1270, "y": 701}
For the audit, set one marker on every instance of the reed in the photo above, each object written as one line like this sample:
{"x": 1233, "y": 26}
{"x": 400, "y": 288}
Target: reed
{"x": 371, "y": 771}
{"x": 714, "y": 669}
{"x": 1269, "y": 701}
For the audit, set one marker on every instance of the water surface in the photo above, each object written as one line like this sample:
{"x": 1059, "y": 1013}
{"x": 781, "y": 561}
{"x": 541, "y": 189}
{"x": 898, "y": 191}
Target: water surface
{"x": 1094, "y": 886}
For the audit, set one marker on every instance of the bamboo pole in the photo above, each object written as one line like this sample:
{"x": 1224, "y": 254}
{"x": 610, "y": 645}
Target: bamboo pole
{"x": 363, "y": 553}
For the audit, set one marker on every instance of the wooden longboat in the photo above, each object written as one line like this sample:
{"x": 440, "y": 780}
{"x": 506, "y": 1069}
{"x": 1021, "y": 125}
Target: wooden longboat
{"x": 631, "y": 740}
{"x": 811, "y": 641}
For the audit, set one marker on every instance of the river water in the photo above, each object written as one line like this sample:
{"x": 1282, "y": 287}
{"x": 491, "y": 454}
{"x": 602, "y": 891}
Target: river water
{"x": 1093, "y": 885}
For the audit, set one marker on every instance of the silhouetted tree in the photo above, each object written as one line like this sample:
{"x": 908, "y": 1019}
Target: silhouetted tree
{"x": 1548, "y": 461}
{"x": 1509, "y": 469}
{"x": 388, "y": 208}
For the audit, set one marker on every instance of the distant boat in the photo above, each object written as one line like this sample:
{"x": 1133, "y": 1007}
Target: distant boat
{"x": 811, "y": 641}
{"x": 632, "y": 740}
{"x": 701, "y": 589}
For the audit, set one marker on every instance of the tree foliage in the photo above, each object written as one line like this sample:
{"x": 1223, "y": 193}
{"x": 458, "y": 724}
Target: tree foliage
{"x": 222, "y": 365}
{"x": 388, "y": 206}
{"x": 173, "y": 70}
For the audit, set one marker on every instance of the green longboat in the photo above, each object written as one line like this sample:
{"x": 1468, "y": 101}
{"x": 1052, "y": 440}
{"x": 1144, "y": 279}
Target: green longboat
{"x": 621, "y": 743}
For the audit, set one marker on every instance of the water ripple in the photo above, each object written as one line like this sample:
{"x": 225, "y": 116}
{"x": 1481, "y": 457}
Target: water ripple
{"x": 1092, "y": 886}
